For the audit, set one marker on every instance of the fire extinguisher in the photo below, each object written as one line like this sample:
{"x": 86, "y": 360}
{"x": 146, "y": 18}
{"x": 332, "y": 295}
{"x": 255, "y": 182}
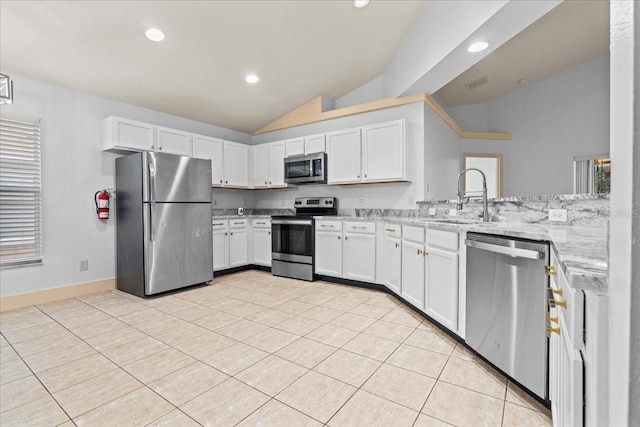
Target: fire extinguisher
{"x": 102, "y": 204}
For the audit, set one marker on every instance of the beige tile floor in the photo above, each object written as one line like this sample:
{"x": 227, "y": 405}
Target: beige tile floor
{"x": 251, "y": 350}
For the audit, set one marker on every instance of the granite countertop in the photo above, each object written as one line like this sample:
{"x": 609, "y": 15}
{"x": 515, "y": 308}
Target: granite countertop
{"x": 581, "y": 251}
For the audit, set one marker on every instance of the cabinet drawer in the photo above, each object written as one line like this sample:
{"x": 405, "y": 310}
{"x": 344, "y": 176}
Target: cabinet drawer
{"x": 573, "y": 313}
{"x": 325, "y": 225}
{"x": 237, "y": 223}
{"x": 414, "y": 234}
{"x": 442, "y": 239}
{"x": 219, "y": 224}
{"x": 393, "y": 230}
{"x": 262, "y": 223}
{"x": 360, "y": 227}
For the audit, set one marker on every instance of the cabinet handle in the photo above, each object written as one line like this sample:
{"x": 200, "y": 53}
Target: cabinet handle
{"x": 419, "y": 252}
{"x": 339, "y": 237}
{"x": 554, "y": 303}
{"x": 425, "y": 253}
{"x": 389, "y": 229}
{"x": 238, "y": 223}
{"x": 327, "y": 225}
{"x": 261, "y": 223}
{"x": 554, "y": 330}
{"x": 550, "y": 270}
{"x": 358, "y": 227}
{"x": 397, "y": 245}
{"x": 552, "y": 319}
{"x": 555, "y": 291}
{"x": 219, "y": 223}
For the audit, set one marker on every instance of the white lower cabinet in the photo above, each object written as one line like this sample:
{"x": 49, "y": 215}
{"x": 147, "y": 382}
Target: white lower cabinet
{"x": 413, "y": 273}
{"x": 392, "y": 258}
{"x": 262, "y": 242}
{"x": 441, "y": 277}
{"x": 359, "y": 256}
{"x": 230, "y": 244}
{"x": 328, "y": 256}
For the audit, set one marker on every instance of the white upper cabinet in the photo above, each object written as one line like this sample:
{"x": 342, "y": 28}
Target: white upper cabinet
{"x": 343, "y": 152}
{"x": 373, "y": 153}
{"x": 211, "y": 149}
{"x": 127, "y": 135}
{"x": 383, "y": 152}
{"x": 268, "y": 165}
{"x": 236, "y": 160}
{"x": 314, "y": 144}
{"x": 294, "y": 147}
{"x": 173, "y": 141}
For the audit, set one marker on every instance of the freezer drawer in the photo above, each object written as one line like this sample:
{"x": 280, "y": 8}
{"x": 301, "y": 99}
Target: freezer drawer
{"x": 177, "y": 240}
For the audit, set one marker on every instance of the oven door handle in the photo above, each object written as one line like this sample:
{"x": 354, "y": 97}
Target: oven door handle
{"x": 292, "y": 221}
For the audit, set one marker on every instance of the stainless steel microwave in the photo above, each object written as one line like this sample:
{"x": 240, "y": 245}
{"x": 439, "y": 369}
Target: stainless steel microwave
{"x": 306, "y": 169}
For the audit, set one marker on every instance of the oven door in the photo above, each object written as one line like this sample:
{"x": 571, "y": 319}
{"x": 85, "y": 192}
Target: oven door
{"x": 292, "y": 240}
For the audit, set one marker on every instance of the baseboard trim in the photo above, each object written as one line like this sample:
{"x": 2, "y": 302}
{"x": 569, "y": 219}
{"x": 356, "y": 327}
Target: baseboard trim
{"x": 13, "y": 302}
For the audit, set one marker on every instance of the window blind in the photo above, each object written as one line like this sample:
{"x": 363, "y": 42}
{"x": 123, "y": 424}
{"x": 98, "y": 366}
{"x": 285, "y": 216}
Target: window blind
{"x": 20, "y": 194}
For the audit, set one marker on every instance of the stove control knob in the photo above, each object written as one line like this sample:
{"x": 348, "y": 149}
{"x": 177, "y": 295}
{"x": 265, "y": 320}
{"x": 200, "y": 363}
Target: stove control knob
{"x": 327, "y": 202}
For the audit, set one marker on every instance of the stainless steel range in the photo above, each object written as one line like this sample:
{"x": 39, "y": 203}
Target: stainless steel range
{"x": 293, "y": 237}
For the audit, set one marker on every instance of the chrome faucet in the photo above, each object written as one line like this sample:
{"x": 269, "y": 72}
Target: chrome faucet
{"x": 485, "y": 211}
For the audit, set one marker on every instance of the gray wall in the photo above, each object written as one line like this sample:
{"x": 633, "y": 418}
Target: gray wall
{"x": 552, "y": 120}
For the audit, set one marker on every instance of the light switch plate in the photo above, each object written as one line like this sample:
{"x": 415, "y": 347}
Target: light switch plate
{"x": 558, "y": 215}
{"x": 432, "y": 211}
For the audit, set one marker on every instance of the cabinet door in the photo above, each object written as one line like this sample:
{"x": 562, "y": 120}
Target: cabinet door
{"x": 392, "y": 264}
{"x": 413, "y": 273}
{"x": 128, "y": 134}
{"x": 173, "y": 141}
{"x": 383, "y": 152}
{"x": 360, "y": 257}
{"x": 328, "y": 257}
{"x": 294, "y": 147}
{"x": 276, "y": 164}
{"x": 236, "y": 157}
{"x": 238, "y": 247}
{"x": 441, "y": 279}
{"x": 314, "y": 144}
{"x": 262, "y": 246}
{"x": 570, "y": 381}
{"x": 261, "y": 166}
{"x": 343, "y": 152}
{"x": 220, "y": 249}
{"x": 210, "y": 148}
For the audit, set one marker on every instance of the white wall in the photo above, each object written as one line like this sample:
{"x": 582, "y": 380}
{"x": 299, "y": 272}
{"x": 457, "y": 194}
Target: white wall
{"x": 552, "y": 121}
{"x": 73, "y": 169}
{"x": 442, "y": 162}
{"x": 370, "y": 91}
{"x": 391, "y": 195}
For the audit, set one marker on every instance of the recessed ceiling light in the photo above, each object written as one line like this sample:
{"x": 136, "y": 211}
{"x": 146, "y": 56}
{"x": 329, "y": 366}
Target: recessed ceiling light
{"x": 252, "y": 78}
{"x": 360, "y": 3}
{"x": 154, "y": 34}
{"x": 478, "y": 46}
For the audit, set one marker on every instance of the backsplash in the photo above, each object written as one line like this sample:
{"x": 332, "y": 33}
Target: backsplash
{"x": 582, "y": 209}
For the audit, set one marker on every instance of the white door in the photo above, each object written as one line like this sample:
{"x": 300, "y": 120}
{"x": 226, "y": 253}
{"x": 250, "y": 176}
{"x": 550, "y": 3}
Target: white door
{"x": 262, "y": 246}
{"x": 360, "y": 257}
{"x": 392, "y": 261}
{"x": 343, "y": 152}
{"x": 328, "y": 257}
{"x": 314, "y": 144}
{"x": 132, "y": 135}
{"x": 276, "y": 164}
{"x": 441, "y": 278}
{"x": 220, "y": 249}
{"x": 209, "y": 148}
{"x": 238, "y": 250}
{"x": 174, "y": 142}
{"x": 261, "y": 166}
{"x": 383, "y": 152}
{"x": 413, "y": 273}
{"x": 236, "y": 157}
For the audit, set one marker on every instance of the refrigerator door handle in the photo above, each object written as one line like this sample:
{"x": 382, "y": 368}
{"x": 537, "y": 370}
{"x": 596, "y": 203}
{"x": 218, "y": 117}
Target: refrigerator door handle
{"x": 151, "y": 227}
{"x": 152, "y": 182}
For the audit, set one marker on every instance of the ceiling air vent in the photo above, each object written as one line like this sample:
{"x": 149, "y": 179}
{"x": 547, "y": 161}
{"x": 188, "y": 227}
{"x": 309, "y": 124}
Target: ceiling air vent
{"x": 476, "y": 83}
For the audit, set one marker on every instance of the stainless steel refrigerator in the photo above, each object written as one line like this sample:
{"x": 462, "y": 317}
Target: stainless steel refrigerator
{"x": 163, "y": 226}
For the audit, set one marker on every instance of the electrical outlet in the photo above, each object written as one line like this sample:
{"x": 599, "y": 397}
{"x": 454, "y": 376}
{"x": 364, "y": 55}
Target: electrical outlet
{"x": 558, "y": 215}
{"x": 432, "y": 211}
{"x": 453, "y": 212}
{"x": 361, "y": 200}
{"x": 83, "y": 265}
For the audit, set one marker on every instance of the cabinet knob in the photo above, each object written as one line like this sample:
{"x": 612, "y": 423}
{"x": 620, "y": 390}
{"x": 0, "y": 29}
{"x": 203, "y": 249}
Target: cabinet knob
{"x": 346, "y": 238}
{"x": 419, "y": 252}
{"x": 220, "y": 181}
{"x": 555, "y": 291}
{"x": 225, "y": 233}
{"x": 339, "y": 237}
{"x": 226, "y": 182}
{"x": 554, "y": 303}
{"x": 358, "y": 176}
{"x": 365, "y": 175}
{"x": 397, "y": 245}
{"x": 231, "y": 233}
{"x": 550, "y": 270}
{"x": 268, "y": 232}
{"x": 554, "y": 330}
{"x": 425, "y": 253}
{"x": 152, "y": 147}
{"x": 552, "y": 319}
{"x": 269, "y": 182}
{"x": 265, "y": 183}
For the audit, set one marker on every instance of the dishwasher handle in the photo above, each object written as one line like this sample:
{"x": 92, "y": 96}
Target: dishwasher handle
{"x": 505, "y": 250}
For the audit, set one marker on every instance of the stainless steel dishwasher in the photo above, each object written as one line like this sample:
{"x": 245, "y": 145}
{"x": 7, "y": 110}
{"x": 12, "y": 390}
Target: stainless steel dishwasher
{"x": 507, "y": 305}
